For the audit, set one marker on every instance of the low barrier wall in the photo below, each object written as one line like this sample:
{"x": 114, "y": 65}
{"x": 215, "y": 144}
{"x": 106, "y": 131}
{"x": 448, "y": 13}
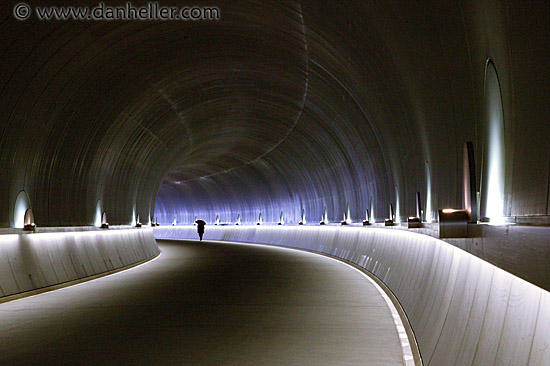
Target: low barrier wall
{"x": 463, "y": 310}
{"x": 33, "y": 261}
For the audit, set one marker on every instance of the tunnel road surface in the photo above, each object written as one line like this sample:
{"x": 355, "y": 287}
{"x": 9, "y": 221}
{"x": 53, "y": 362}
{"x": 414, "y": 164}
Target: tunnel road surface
{"x": 207, "y": 304}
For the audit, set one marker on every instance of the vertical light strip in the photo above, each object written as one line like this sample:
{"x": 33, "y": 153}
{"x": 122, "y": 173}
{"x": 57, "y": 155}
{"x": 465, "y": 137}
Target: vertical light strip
{"x": 428, "y": 214}
{"x": 494, "y": 151}
{"x": 372, "y": 219}
{"x": 98, "y": 214}
{"x": 397, "y": 204}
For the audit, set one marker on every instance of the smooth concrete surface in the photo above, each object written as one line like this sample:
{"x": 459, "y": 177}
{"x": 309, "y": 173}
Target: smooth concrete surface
{"x": 519, "y": 249}
{"x": 207, "y": 304}
{"x": 33, "y": 261}
{"x": 463, "y": 310}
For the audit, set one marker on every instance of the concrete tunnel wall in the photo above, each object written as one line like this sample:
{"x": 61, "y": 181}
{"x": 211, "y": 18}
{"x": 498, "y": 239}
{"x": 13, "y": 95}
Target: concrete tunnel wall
{"x": 36, "y": 261}
{"x": 463, "y": 310}
{"x": 276, "y": 106}
{"x": 394, "y": 89}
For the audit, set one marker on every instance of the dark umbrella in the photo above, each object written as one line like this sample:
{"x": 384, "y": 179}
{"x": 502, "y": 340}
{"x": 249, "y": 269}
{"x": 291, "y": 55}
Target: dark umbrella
{"x": 200, "y": 222}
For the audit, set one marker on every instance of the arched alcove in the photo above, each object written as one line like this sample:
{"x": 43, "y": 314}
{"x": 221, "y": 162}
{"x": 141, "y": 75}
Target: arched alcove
{"x": 22, "y": 204}
{"x": 493, "y": 163}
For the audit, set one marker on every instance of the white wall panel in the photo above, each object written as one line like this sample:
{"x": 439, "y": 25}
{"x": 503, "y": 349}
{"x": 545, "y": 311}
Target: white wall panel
{"x": 37, "y": 260}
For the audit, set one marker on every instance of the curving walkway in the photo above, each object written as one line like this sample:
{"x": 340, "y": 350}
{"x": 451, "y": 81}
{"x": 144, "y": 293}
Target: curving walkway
{"x": 207, "y": 304}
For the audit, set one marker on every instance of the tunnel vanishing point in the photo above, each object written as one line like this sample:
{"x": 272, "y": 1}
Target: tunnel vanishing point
{"x": 421, "y": 120}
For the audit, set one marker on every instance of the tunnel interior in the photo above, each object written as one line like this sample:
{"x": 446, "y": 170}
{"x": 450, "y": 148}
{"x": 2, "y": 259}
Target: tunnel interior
{"x": 277, "y": 106}
{"x": 292, "y": 111}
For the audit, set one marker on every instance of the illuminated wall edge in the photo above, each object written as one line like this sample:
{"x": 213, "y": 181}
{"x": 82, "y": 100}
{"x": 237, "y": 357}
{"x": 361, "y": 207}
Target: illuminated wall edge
{"x": 40, "y": 260}
{"x": 463, "y": 310}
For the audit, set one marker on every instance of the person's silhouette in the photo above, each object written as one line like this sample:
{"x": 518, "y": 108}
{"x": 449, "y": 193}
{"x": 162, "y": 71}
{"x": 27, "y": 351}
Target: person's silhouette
{"x": 200, "y": 228}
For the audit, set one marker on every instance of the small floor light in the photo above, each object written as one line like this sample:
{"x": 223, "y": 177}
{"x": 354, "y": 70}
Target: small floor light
{"x": 29, "y": 224}
{"x": 104, "y": 223}
{"x": 260, "y": 219}
{"x": 347, "y": 216}
{"x": 366, "y": 220}
{"x": 389, "y": 222}
{"x": 324, "y": 218}
{"x": 303, "y": 218}
{"x": 413, "y": 222}
{"x": 344, "y": 221}
{"x": 453, "y": 223}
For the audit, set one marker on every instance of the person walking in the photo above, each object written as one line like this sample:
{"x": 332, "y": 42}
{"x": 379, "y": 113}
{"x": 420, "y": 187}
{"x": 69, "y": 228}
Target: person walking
{"x": 200, "y": 228}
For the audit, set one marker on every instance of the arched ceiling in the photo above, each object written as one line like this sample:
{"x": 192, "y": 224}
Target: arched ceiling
{"x": 277, "y": 106}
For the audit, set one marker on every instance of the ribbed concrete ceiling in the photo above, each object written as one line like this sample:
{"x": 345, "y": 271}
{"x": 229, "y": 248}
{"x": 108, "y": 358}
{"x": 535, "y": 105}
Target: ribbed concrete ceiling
{"x": 279, "y": 105}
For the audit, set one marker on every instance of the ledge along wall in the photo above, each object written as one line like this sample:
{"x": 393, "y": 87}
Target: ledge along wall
{"x": 36, "y": 261}
{"x": 463, "y": 310}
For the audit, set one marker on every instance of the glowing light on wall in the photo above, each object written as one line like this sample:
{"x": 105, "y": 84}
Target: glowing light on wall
{"x": 371, "y": 209}
{"x": 134, "y": 220}
{"x": 22, "y": 204}
{"x": 324, "y": 218}
{"x": 396, "y": 219}
{"x": 98, "y": 212}
{"x": 429, "y": 213}
{"x": 418, "y": 206}
{"x": 347, "y": 215}
{"x": 469, "y": 185}
{"x": 493, "y": 171}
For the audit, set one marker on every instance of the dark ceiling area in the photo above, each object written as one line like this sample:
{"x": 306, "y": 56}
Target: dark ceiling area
{"x": 277, "y": 106}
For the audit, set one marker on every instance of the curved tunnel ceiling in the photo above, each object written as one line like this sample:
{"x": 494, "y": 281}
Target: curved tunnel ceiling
{"x": 277, "y": 106}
